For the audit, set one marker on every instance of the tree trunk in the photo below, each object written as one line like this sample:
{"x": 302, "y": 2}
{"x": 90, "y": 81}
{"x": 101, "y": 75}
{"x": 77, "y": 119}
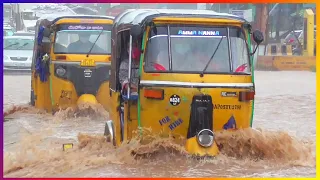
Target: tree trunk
{"x": 261, "y": 21}
{"x": 278, "y": 24}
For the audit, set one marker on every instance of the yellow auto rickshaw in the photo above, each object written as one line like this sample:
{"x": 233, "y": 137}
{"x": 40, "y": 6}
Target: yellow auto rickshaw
{"x": 195, "y": 76}
{"x": 71, "y": 61}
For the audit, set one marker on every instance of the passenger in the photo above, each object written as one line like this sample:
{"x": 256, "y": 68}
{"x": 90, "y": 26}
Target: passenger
{"x": 58, "y": 47}
{"x": 180, "y": 51}
{"x": 136, "y": 52}
{"x": 197, "y": 60}
{"x": 124, "y": 68}
{"x": 162, "y": 61}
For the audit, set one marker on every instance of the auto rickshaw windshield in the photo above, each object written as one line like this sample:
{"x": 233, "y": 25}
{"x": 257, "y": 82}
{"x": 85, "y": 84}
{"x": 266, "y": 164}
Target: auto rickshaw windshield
{"x": 79, "y": 39}
{"x": 191, "y": 48}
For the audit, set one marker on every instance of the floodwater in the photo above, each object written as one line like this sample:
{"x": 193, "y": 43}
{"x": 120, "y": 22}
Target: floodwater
{"x": 282, "y": 143}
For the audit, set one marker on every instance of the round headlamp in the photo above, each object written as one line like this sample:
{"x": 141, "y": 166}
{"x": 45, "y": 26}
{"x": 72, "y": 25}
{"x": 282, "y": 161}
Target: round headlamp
{"x": 205, "y": 137}
{"x": 60, "y": 71}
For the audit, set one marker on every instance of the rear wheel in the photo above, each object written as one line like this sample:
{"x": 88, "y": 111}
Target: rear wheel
{"x": 122, "y": 122}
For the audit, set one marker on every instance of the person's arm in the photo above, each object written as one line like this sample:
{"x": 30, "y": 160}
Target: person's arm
{"x": 123, "y": 73}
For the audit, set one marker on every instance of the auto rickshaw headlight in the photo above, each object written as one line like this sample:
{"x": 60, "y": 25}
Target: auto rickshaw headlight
{"x": 205, "y": 137}
{"x": 60, "y": 71}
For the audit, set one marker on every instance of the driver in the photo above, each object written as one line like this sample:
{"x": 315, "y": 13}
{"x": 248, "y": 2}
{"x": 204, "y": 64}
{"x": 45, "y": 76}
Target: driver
{"x": 83, "y": 44}
{"x": 202, "y": 55}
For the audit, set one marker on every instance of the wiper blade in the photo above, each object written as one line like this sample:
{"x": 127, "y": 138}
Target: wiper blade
{"x": 205, "y": 68}
{"x": 11, "y": 45}
{"x": 95, "y": 42}
{"x": 22, "y": 45}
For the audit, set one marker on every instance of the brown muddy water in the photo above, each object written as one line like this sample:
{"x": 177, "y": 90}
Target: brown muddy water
{"x": 282, "y": 143}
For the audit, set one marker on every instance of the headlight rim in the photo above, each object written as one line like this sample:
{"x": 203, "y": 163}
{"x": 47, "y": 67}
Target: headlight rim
{"x": 207, "y": 145}
{"x": 60, "y": 67}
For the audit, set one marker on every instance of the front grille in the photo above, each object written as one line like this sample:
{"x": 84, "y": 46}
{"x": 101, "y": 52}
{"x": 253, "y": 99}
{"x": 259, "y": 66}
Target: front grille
{"x": 200, "y": 115}
{"x": 86, "y": 80}
{"x": 18, "y": 58}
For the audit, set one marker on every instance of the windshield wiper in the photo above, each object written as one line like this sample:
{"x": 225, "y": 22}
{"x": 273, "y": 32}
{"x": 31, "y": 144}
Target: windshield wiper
{"x": 205, "y": 68}
{"x": 11, "y": 45}
{"x": 95, "y": 42}
{"x": 22, "y": 45}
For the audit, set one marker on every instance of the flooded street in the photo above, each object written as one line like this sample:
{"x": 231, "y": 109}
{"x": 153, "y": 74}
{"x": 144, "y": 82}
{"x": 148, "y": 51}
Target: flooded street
{"x": 282, "y": 144}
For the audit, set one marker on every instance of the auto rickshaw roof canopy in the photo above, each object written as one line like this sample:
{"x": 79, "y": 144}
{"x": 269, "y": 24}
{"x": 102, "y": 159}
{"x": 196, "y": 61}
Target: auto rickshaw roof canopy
{"x": 51, "y": 19}
{"x": 143, "y": 16}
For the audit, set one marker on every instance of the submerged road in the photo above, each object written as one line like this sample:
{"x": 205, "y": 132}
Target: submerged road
{"x": 285, "y": 117}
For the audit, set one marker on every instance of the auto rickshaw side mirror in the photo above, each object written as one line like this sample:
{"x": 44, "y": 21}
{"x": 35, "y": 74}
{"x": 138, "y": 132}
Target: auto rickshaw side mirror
{"x": 257, "y": 36}
{"x": 46, "y": 40}
{"x": 46, "y": 32}
{"x": 135, "y": 31}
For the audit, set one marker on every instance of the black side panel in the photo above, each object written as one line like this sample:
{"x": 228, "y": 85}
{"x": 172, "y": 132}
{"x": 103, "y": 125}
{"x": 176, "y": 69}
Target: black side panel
{"x": 86, "y": 80}
{"x": 201, "y": 114}
{"x": 32, "y": 99}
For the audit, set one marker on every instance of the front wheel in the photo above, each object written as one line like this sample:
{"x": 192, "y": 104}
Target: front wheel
{"x": 109, "y": 132}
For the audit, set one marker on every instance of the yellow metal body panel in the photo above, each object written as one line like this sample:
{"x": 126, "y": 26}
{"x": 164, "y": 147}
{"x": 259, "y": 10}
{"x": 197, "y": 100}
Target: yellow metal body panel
{"x": 201, "y": 21}
{"x": 132, "y": 123}
{"x": 84, "y": 21}
{"x": 114, "y": 114}
{"x": 103, "y": 95}
{"x": 41, "y": 91}
{"x": 193, "y": 148}
{"x": 87, "y": 98}
{"x": 152, "y": 111}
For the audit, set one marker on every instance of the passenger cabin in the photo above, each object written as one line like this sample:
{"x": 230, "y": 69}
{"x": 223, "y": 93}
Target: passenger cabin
{"x": 146, "y": 17}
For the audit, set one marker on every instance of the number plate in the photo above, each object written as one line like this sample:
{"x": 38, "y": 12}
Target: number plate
{"x": 88, "y": 62}
{"x": 19, "y": 64}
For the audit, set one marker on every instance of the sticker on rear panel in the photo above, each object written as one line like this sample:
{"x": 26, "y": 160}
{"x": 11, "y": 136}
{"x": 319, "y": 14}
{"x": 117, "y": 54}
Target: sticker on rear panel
{"x": 175, "y": 100}
{"x": 228, "y": 94}
{"x": 231, "y": 124}
{"x": 175, "y": 124}
{"x": 164, "y": 120}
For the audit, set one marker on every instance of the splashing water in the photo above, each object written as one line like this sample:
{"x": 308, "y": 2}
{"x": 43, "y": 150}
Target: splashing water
{"x": 92, "y": 151}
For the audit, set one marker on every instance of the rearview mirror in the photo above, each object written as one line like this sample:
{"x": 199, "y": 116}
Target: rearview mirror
{"x": 45, "y": 40}
{"x": 135, "y": 31}
{"x": 46, "y": 32}
{"x": 257, "y": 36}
